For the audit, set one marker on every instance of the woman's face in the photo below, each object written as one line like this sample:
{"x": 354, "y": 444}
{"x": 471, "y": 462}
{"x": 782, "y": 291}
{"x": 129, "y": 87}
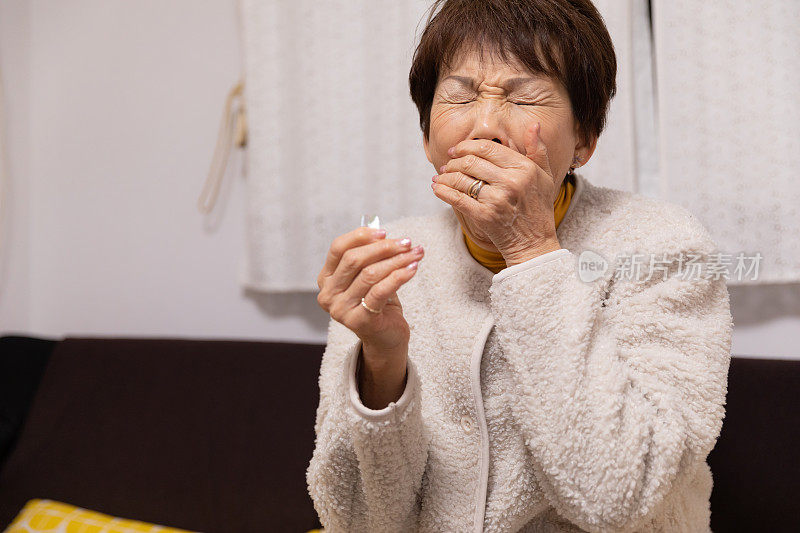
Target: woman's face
{"x": 492, "y": 100}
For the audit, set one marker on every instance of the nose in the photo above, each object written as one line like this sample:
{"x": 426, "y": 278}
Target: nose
{"x": 490, "y": 122}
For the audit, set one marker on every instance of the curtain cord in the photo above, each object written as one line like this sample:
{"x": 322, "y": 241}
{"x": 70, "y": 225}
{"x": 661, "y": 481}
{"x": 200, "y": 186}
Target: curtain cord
{"x": 232, "y": 130}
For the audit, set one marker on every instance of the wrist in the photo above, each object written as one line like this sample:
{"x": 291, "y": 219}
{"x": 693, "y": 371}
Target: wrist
{"x": 384, "y": 358}
{"x": 547, "y": 246}
{"x": 381, "y": 378}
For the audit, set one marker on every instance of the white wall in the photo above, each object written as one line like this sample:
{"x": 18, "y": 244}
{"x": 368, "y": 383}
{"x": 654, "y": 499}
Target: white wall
{"x": 14, "y": 212}
{"x": 113, "y": 110}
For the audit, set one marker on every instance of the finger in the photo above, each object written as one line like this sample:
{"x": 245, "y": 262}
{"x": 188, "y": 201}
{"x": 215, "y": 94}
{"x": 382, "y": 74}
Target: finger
{"x": 358, "y": 237}
{"x": 536, "y": 149}
{"x": 378, "y": 294}
{"x": 475, "y": 166}
{"x": 373, "y": 274}
{"x": 494, "y": 152}
{"x": 460, "y": 201}
{"x": 394, "y": 300}
{"x": 355, "y": 259}
{"x": 460, "y": 182}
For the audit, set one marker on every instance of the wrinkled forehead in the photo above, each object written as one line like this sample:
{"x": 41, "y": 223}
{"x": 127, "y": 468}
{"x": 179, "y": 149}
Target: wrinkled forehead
{"x": 490, "y": 63}
{"x": 473, "y": 69}
{"x": 480, "y": 61}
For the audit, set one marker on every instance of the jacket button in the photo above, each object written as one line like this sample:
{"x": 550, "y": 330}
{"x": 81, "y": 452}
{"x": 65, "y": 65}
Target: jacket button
{"x": 467, "y": 424}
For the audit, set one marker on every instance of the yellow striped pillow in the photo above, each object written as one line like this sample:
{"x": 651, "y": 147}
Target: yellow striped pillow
{"x": 51, "y": 516}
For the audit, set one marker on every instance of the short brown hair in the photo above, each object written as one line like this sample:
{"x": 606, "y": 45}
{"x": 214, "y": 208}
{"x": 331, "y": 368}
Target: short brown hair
{"x": 564, "y": 39}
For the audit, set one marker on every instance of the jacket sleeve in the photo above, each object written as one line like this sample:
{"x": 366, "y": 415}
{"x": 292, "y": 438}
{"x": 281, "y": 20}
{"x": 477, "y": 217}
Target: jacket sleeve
{"x": 367, "y": 467}
{"x": 619, "y": 395}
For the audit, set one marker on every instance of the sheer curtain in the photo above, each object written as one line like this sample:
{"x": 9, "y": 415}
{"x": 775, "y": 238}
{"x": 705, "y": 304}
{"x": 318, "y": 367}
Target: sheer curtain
{"x": 729, "y": 126}
{"x": 626, "y": 156}
{"x": 333, "y": 133}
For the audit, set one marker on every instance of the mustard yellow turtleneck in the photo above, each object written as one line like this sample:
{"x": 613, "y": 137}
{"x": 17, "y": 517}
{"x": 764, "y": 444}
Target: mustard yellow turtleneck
{"x": 494, "y": 260}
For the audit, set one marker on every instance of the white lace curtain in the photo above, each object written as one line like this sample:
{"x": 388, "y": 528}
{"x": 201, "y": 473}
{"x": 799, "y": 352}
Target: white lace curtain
{"x": 333, "y": 134}
{"x": 728, "y": 88}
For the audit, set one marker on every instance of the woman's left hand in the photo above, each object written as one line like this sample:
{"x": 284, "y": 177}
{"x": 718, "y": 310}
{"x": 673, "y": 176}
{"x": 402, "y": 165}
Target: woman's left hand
{"x": 515, "y": 206}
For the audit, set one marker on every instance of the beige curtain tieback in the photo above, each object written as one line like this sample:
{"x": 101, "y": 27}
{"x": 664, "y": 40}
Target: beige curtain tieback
{"x": 232, "y": 130}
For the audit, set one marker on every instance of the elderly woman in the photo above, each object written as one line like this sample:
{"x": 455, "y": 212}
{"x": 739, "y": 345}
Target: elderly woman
{"x": 501, "y": 383}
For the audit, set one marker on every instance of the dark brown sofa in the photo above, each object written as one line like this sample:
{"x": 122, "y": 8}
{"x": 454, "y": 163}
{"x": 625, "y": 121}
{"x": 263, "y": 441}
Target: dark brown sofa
{"x": 215, "y": 435}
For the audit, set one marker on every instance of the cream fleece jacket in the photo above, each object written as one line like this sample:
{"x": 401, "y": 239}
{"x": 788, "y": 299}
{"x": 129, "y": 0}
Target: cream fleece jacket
{"x": 536, "y": 401}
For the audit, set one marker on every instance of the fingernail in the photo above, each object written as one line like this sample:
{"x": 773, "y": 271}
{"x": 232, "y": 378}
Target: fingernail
{"x": 435, "y": 176}
{"x": 413, "y": 265}
{"x": 451, "y": 151}
{"x": 442, "y": 168}
{"x": 379, "y": 233}
{"x": 405, "y": 242}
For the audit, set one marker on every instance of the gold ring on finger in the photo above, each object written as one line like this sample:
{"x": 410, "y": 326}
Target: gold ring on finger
{"x": 475, "y": 188}
{"x": 368, "y": 308}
